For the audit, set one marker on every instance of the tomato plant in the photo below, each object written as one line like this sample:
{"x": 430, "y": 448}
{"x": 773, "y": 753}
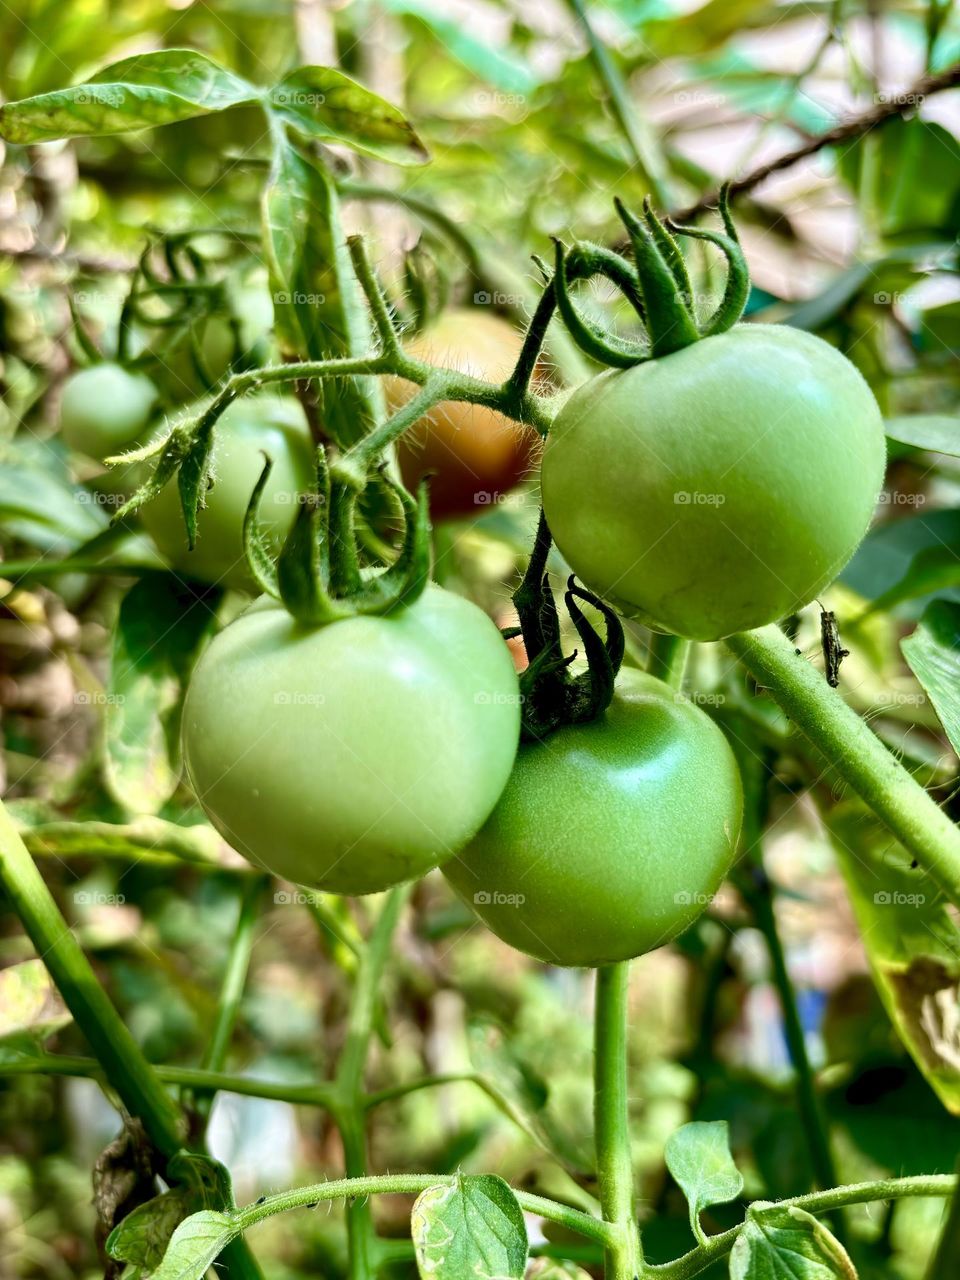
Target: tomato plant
{"x": 611, "y": 836}
{"x": 267, "y": 425}
{"x": 105, "y": 409}
{"x": 472, "y": 454}
{"x": 344, "y": 869}
{"x": 357, "y": 755}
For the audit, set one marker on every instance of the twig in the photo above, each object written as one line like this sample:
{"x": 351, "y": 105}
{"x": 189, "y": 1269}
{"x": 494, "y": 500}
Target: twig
{"x": 893, "y": 106}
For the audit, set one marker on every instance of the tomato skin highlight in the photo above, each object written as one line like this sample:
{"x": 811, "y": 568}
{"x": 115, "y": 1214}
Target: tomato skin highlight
{"x": 473, "y": 454}
{"x": 105, "y": 408}
{"x": 718, "y": 488}
{"x": 248, "y": 429}
{"x": 610, "y": 837}
{"x": 358, "y": 755}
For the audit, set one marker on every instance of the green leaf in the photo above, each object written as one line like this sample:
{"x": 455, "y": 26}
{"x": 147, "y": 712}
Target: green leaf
{"x": 471, "y": 1227}
{"x": 782, "y": 1242}
{"x": 195, "y": 1245}
{"x": 885, "y": 556}
{"x": 912, "y": 942}
{"x": 160, "y": 627}
{"x": 319, "y": 306}
{"x": 933, "y": 655}
{"x": 931, "y": 569}
{"x": 143, "y": 838}
{"x": 137, "y": 93}
{"x": 141, "y": 1238}
{"x": 555, "y": 1269}
{"x": 912, "y": 175}
{"x": 327, "y": 105}
{"x": 938, "y": 432}
{"x": 698, "y": 1156}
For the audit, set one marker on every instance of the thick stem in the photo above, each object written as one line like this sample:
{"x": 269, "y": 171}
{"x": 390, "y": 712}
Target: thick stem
{"x": 124, "y": 1066}
{"x": 808, "y": 1101}
{"x": 668, "y": 657}
{"x": 350, "y": 1110}
{"x": 623, "y": 1256}
{"x": 861, "y": 759}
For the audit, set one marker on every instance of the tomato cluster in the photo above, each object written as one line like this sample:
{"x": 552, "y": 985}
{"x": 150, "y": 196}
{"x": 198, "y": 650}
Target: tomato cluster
{"x": 707, "y": 491}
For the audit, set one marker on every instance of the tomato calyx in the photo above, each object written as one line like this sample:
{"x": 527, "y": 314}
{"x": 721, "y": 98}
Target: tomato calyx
{"x": 657, "y": 285}
{"x": 317, "y": 575}
{"x": 552, "y": 695}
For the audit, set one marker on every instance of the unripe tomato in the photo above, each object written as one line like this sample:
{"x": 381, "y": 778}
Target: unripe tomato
{"x": 353, "y": 756}
{"x": 610, "y": 837}
{"x": 720, "y": 487}
{"x": 476, "y": 455}
{"x": 248, "y": 429}
{"x": 105, "y": 408}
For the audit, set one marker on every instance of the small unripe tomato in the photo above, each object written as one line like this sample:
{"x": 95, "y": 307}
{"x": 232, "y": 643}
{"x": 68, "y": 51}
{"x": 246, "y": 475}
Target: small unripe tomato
{"x": 353, "y": 756}
{"x": 473, "y": 454}
{"x": 611, "y": 837}
{"x": 105, "y": 409}
{"x": 248, "y": 429}
{"x": 718, "y": 488}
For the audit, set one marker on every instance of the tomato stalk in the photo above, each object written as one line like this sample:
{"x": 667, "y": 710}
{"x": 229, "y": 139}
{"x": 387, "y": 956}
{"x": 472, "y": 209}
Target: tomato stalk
{"x": 623, "y": 1255}
{"x": 858, "y": 755}
{"x": 124, "y": 1066}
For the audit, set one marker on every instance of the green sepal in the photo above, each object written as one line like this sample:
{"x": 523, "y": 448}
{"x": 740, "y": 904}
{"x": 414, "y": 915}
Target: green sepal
{"x": 592, "y": 690}
{"x": 737, "y": 289}
{"x": 670, "y": 325}
{"x": 255, "y": 546}
{"x": 303, "y": 566}
{"x": 607, "y": 348}
{"x": 405, "y": 580}
{"x": 672, "y": 254}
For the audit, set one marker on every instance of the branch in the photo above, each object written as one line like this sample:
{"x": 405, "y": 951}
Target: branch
{"x": 891, "y": 107}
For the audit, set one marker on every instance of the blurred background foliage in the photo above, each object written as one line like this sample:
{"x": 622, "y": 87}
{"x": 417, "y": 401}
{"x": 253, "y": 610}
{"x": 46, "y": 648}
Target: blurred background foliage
{"x": 856, "y": 242}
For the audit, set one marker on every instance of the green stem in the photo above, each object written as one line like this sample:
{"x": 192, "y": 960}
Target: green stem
{"x": 231, "y": 990}
{"x": 943, "y": 1264}
{"x": 411, "y": 1184}
{"x": 124, "y": 1066}
{"x": 668, "y": 657}
{"x": 624, "y": 1255}
{"x": 195, "y": 1078}
{"x": 350, "y": 1109}
{"x": 697, "y": 1260}
{"x": 861, "y": 759}
{"x": 759, "y": 896}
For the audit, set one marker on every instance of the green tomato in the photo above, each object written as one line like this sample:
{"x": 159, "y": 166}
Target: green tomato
{"x": 720, "y": 487}
{"x": 354, "y": 756}
{"x": 105, "y": 409}
{"x": 249, "y": 428}
{"x": 612, "y": 836}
